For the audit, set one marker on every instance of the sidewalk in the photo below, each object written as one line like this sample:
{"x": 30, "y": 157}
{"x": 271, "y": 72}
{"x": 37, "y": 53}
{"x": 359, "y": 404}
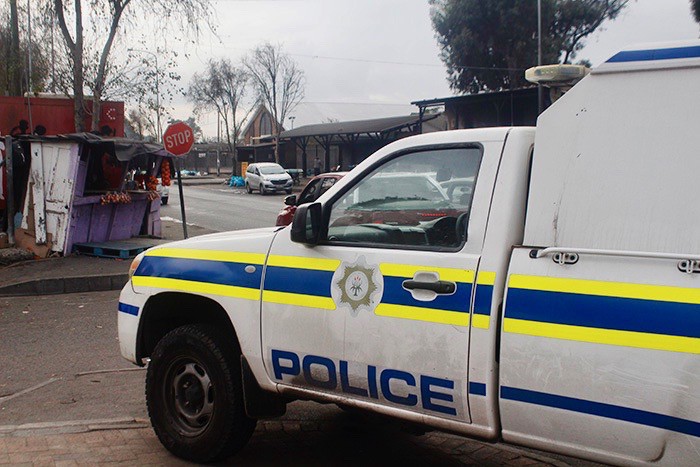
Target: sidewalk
{"x": 343, "y": 441}
{"x": 80, "y": 273}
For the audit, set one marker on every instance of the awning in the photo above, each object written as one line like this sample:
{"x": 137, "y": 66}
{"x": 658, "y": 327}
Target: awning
{"x": 123, "y": 148}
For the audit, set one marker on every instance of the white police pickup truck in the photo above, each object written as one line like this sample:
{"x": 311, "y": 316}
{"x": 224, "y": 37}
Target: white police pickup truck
{"x": 555, "y": 303}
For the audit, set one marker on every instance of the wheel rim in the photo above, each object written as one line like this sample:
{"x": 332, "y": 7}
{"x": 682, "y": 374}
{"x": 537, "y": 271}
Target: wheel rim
{"x": 190, "y": 396}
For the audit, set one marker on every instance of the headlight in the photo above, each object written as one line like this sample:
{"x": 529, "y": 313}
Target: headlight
{"x": 135, "y": 264}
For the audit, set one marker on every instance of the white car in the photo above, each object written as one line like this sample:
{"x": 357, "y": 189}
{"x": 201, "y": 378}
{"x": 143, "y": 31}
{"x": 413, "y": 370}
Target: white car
{"x": 267, "y": 177}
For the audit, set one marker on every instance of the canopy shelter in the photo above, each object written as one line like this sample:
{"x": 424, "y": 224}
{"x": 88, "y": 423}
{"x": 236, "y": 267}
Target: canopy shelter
{"x": 514, "y": 107}
{"x": 374, "y": 133}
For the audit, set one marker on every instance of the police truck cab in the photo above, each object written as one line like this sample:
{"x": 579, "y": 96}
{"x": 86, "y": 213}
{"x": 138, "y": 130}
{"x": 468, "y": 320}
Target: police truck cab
{"x": 555, "y": 304}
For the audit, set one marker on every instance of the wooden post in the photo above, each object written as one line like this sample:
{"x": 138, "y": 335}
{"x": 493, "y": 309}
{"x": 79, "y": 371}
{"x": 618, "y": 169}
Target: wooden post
{"x": 10, "y": 192}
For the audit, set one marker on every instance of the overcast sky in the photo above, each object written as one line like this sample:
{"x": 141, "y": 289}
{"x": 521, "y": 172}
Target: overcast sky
{"x": 371, "y": 58}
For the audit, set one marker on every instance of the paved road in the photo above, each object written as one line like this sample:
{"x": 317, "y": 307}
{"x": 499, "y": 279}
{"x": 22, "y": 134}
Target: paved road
{"x": 221, "y": 208}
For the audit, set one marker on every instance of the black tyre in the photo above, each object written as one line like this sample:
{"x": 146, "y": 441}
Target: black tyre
{"x": 262, "y": 190}
{"x": 164, "y": 200}
{"x": 289, "y": 192}
{"x": 248, "y": 188}
{"x": 194, "y": 395}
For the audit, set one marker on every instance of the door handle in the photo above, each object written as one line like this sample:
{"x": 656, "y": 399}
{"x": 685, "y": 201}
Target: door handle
{"x": 439, "y": 287}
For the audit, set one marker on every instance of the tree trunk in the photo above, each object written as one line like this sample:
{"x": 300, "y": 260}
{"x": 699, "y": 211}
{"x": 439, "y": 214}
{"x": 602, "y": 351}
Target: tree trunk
{"x": 78, "y": 77}
{"x": 14, "y": 68}
{"x": 96, "y": 110}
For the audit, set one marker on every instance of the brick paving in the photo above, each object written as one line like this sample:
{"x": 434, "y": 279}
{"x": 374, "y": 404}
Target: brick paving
{"x": 347, "y": 441}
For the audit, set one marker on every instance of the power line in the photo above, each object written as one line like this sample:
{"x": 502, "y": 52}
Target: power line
{"x": 352, "y": 103}
{"x": 388, "y": 62}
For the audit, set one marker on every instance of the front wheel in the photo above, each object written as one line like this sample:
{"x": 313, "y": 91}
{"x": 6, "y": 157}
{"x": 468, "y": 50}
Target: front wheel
{"x": 248, "y": 188}
{"x": 262, "y": 190}
{"x": 289, "y": 192}
{"x": 194, "y": 395}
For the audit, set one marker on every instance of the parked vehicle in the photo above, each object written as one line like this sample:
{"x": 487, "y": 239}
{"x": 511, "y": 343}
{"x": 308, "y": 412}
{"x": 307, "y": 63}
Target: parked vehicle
{"x": 267, "y": 177}
{"x": 311, "y": 192}
{"x": 558, "y": 306}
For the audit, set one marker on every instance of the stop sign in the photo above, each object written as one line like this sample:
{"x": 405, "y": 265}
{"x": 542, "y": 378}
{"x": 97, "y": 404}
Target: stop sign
{"x": 178, "y": 139}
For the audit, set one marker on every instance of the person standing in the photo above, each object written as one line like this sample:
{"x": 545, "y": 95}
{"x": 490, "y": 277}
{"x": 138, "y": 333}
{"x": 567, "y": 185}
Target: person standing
{"x": 317, "y": 166}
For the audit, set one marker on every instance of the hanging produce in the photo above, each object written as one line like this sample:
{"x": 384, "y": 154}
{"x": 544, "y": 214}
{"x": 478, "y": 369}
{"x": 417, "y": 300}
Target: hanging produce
{"x": 115, "y": 198}
{"x": 165, "y": 172}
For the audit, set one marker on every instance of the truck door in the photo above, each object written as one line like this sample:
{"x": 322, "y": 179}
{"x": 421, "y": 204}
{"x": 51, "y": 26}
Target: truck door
{"x": 379, "y": 310}
{"x": 600, "y": 352}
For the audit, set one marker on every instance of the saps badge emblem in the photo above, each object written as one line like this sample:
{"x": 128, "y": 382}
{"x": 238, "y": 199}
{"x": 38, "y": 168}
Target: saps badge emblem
{"x": 357, "y": 285}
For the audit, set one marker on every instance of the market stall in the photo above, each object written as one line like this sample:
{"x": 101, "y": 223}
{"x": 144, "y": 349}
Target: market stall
{"x": 85, "y": 188}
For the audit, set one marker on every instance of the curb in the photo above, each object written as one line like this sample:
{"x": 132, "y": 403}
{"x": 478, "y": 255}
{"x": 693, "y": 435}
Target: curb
{"x": 63, "y": 285}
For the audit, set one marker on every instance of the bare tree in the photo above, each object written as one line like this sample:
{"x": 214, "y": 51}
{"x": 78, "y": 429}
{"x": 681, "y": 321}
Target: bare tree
{"x": 185, "y": 15}
{"x": 14, "y": 51}
{"x": 278, "y": 81}
{"x": 222, "y": 88}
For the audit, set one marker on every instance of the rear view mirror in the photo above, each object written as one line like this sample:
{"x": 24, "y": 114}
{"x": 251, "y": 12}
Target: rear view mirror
{"x": 290, "y": 200}
{"x": 306, "y": 224}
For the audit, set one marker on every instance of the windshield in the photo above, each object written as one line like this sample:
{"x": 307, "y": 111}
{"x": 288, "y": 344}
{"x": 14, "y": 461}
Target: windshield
{"x": 271, "y": 170}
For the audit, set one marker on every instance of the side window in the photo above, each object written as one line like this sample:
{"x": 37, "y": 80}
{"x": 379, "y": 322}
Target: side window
{"x": 419, "y": 199}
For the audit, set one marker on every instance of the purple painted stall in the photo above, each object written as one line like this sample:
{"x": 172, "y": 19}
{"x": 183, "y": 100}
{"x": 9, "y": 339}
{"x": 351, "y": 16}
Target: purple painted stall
{"x": 92, "y": 221}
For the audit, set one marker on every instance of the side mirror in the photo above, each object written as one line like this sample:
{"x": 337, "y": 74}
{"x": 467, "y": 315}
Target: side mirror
{"x": 306, "y": 224}
{"x": 290, "y": 200}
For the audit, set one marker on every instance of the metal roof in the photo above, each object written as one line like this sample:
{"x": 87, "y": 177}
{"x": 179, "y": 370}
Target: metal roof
{"x": 377, "y": 125}
{"x": 475, "y": 97}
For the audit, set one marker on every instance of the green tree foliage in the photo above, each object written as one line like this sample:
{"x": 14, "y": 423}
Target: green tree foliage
{"x": 695, "y": 6}
{"x": 488, "y": 44}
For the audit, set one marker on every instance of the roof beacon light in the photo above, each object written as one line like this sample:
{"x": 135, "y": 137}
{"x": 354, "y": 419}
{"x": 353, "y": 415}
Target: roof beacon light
{"x": 556, "y": 75}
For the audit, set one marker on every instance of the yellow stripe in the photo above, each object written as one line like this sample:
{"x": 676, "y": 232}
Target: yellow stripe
{"x": 606, "y": 289}
{"x": 640, "y": 340}
{"x": 196, "y": 287}
{"x": 408, "y": 270}
{"x": 318, "y": 264}
{"x": 422, "y": 314}
{"x": 486, "y": 278}
{"x": 209, "y": 255}
{"x": 480, "y": 321}
{"x": 308, "y": 301}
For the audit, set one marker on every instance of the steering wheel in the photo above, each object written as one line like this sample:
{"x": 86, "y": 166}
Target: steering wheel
{"x": 461, "y": 227}
{"x": 440, "y": 232}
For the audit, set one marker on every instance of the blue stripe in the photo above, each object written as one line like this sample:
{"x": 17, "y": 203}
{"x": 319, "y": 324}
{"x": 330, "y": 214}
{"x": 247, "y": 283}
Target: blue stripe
{"x": 478, "y": 389}
{"x": 482, "y": 301}
{"x": 299, "y": 281}
{"x": 625, "y": 314}
{"x": 395, "y": 294}
{"x": 655, "y": 54}
{"x": 128, "y": 309}
{"x": 616, "y": 412}
{"x": 197, "y": 270}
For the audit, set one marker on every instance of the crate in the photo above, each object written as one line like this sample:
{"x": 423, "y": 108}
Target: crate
{"x": 115, "y": 249}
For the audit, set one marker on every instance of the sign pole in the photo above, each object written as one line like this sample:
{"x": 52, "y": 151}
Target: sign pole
{"x": 182, "y": 198}
{"x": 178, "y": 140}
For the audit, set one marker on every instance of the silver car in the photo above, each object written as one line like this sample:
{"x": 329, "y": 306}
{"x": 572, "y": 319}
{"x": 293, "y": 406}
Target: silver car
{"x": 267, "y": 177}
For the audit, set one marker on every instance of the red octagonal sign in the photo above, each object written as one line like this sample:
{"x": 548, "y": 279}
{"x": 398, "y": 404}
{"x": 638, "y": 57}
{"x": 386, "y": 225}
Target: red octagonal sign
{"x": 178, "y": 139}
